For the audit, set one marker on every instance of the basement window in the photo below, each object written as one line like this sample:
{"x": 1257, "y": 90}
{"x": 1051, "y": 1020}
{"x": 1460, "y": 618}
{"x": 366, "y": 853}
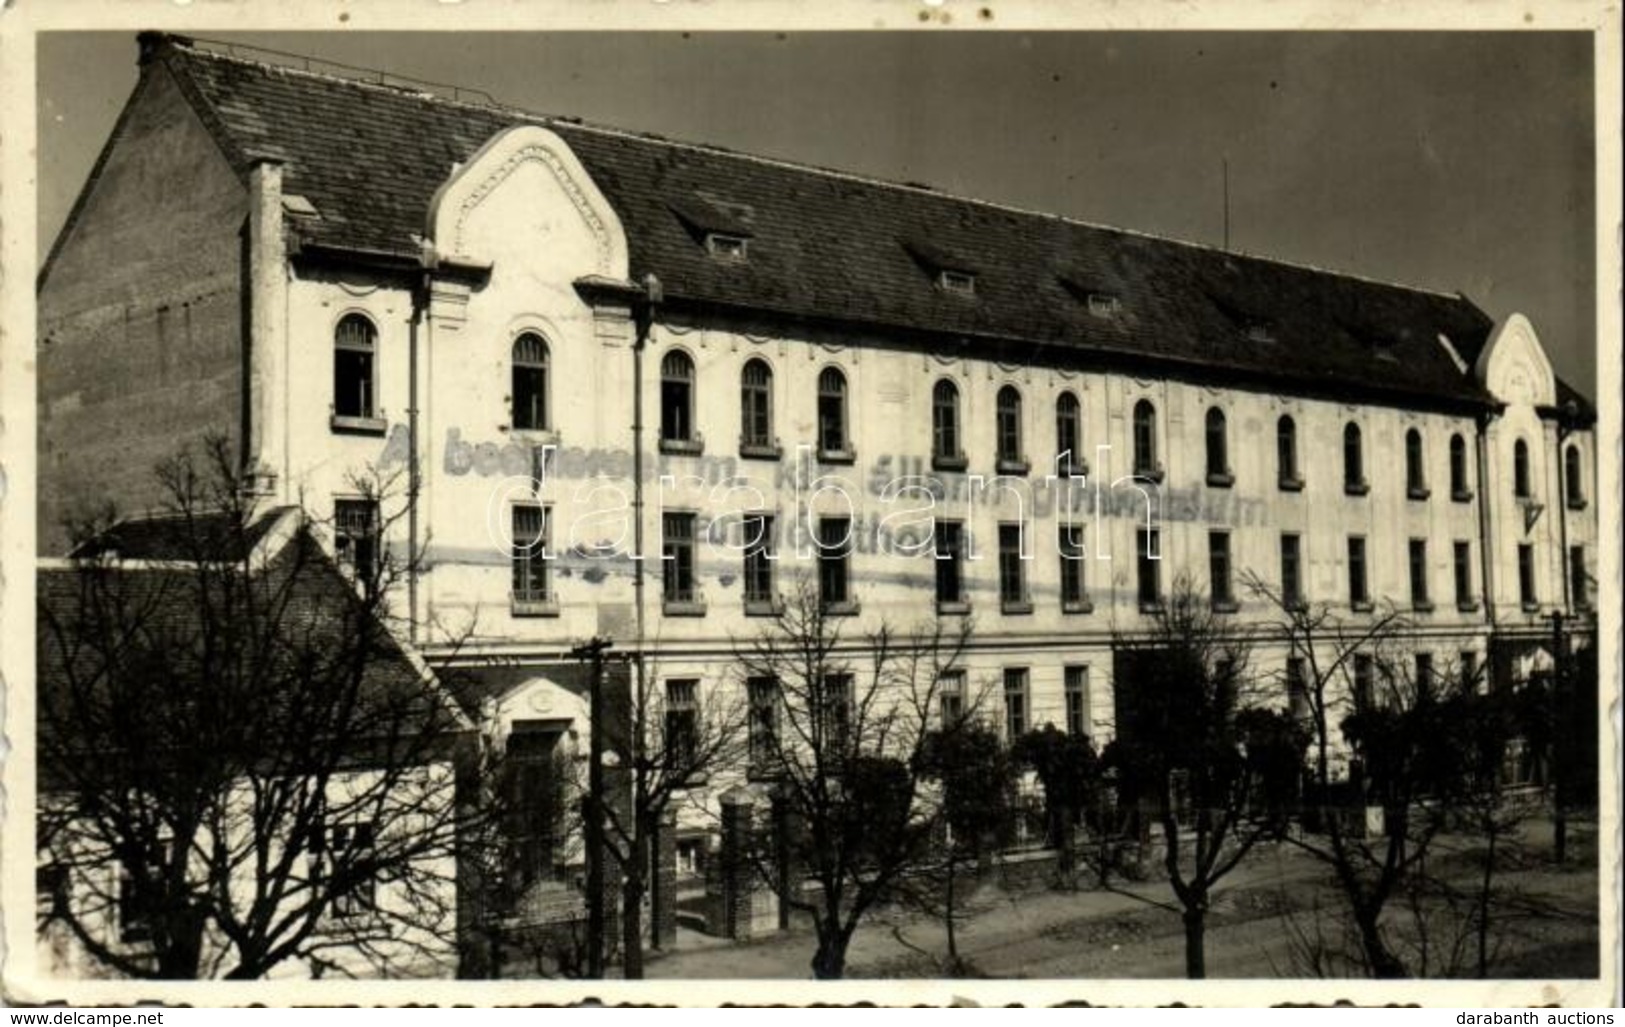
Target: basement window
{"x": 960, "y": 282}
{"x": 724, "y": 246}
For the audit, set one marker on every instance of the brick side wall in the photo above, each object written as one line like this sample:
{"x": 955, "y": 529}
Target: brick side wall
{"x": 140, "y": 314}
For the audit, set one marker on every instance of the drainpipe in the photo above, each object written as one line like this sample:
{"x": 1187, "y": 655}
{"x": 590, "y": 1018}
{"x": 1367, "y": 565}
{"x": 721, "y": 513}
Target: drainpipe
{"x": 267, "y": 449}
{"x": 414, "y": 481}
{"x": 1487, "y": 542}
{"x": 1561, "y": 499}
{"x": 644, "y": 310}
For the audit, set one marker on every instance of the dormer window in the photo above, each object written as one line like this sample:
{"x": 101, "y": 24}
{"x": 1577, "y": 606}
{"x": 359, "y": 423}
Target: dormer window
{"x": 962, "y": 283}
{"x": 1103, "y": 305}
{"x": 1259, "y": 331}
{"x": 724, "y": 246}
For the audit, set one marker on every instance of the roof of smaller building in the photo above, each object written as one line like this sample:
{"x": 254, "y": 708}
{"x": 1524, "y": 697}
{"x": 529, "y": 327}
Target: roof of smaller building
{"x": 197, "y": 535}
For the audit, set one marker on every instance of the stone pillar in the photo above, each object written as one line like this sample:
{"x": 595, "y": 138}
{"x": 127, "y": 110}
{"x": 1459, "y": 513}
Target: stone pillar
{"x": 663, "y": 883}
{"x": 788, "y": 882}
{"x": 265, "y": 456}
{"x": 731, "y": 899}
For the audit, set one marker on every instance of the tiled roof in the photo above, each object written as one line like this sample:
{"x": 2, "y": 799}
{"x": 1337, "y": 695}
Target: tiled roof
{"x": 158, "y": 608}
{"x": 207, "y": 535}
{"x": 826, "y": 245}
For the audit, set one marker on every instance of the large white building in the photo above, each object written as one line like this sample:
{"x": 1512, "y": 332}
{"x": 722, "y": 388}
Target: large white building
{"x": 519, "y": 316}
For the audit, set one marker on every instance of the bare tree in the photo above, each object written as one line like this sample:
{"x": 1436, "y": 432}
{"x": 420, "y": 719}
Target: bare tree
{"x": 240, "y": 764}
{"x": 677, "y": 742}
{"x": 1204, "y": 750}
{"x": 849, "y": 729}
{"x": 1364, "y": 703}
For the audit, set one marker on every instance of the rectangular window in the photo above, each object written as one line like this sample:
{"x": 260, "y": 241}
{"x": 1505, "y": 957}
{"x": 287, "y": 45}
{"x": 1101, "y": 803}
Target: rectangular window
{"x": 950, "y": 563}
{"x": 1078, "y": 702}
{"x": 764, "y": 719}
{"x": 1424, "y": 673}
{"x": 1579, "y": 580}
{"x": 529, "y": 559}
{"x": 1218, "y": 570}
{"x": 1526, "y": 576}
{"x": 355, "y": 531}
{"x": 1359, "y": 589}
{"x": 834, "y": 554}
{"x": 759, "y": 590}
{"x": 682, "y": 724}
{"x": 1365, "y": 682}
{"x": 1419, "y": 574}
{"x": 836, "y": 705}
{"x": 1012, "y": 577}
{"x": 346, "y": 846}
{"x": 677, "y": 554}
{"x": 1149, "y": 555}
{"x": 1015, "y": 702}
{"x": 1074, "y": 592}
{"x": 951, "y": 696}
{"x": 1297, "y": 689}
{"x": 1462, "y": 559}
{"x": 1291, "y": 570}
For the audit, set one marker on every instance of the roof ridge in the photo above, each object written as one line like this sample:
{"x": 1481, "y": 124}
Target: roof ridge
{"x": 576, "y": 123}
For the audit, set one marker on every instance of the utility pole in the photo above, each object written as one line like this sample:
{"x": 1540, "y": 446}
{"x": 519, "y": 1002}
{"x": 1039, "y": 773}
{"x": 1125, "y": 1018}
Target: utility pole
{"x": 594, "y": 650}
{"x": 1560, "y": 723}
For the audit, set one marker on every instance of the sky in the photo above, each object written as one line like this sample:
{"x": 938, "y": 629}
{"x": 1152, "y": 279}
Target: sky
{"x": 1459, "y": 162}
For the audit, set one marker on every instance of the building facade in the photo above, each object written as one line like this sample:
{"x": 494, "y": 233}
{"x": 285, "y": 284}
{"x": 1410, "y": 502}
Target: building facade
{"x": 635, "y": 388}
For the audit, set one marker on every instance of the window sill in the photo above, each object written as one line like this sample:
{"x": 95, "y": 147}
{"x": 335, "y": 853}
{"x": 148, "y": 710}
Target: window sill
{"x": 1461, "y": 497}
{"x": 533, "y": 436}
{"x": 1084, "y": 605}
{"x": 760, "y": 451}
{"x": 952, "y": 607}
{"x": 1468, "y": 606}
{"x": 1225, "y": 606}
{"x": 545, "y": 607}
{"x": 683, "y": 607}
{"x": 1221, "y": 481}
{"x": 1290, "y": 484}
{"x": 1016, "y": 607}
{"x": 1152, "y": 474}
{"x": 837, "y": 456}
{"x": 1418, "y": 493}
{"x": 957, "y": 462}
{"x": 1297, "y": 604}
{"x": 683, "y": 447}
{"x": 1356, "y": 488}
{"x": 843, "y": 608}
{"x": 1422, "y": 605}
{"x": 1362, "y": 606}
{"x": 764, "y": 607}
{"x": 1152, "y": 606}
{"x": 1531, "y": 607}
{"x": 1577, "y": 504}
{"x": 1012, "y": 465}
{"x": 343, "y": 424}
{"x": 1071, "y": 468}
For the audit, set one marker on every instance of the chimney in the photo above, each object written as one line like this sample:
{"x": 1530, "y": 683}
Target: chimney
{"x": 151, "y": 45}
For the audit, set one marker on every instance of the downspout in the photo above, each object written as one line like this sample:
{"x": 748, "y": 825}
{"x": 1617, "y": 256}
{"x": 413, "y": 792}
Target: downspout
{"x": 1561, "y": 499}
{"x": 420, "y": 292}
{"x": 643, "y": 316}
{"x": 1486, "y": 541}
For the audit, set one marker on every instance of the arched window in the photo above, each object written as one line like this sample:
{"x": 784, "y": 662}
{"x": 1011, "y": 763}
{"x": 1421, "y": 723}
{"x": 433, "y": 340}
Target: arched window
{"x": 1145, "y": 438}
{"x": 1008, "y": 427}
{"x": 1353, "y": 460}
{"x": 756, "y": 405}
{"x": 1573, "y": 487}
{"x": 1068, "y": 433}
{"x": 1218, "y": 449}
{"x": 355, "y": 344}
{"x": 945, "y": 421}
{"x": 1416, "y": 480}
{"x": 832, "y": 411}
{"x": 1458, "y": 468}
{"x": 529, "y": 382}
{"x": 1286, "y": 453}
{"x": 676, "y": 397}
{"x": 1520, "y": 469}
